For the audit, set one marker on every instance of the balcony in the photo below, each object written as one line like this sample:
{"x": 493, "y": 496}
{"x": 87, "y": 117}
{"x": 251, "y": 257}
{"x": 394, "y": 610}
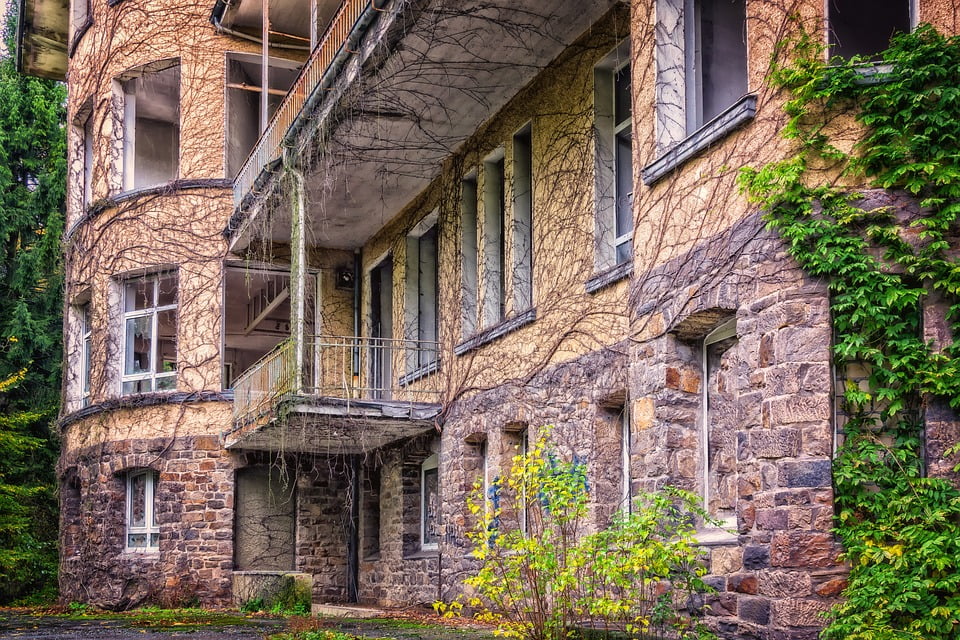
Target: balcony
{"x": 389, "y": 92}
{"x": 353, "y": 394}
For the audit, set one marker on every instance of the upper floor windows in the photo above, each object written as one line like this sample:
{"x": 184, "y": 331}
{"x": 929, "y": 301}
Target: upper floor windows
{"x": 150, "y": 114}
{"x": 422, "y": 299}
{"x": 864, "y": 27}
{"x": 715, "y": 56}
{"x": 493, "y": 302}
{"x": 150, "y": 334}
{"x": 614, "y": 164}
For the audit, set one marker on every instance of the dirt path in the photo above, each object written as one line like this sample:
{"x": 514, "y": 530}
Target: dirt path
{"x": 53, "y": 628}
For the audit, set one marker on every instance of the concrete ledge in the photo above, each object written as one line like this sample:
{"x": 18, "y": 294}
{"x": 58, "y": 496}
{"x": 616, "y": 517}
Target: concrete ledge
{"x": 346, "y": 611}
{"x": 266, "y": 585}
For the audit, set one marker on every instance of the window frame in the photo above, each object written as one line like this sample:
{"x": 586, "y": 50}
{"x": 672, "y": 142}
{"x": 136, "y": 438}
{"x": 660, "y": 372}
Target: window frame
{"x": 152, "y": 312}
{"x": 626, "y": 471}
{"x": 150, "y": 527}
{"x": 430, "y": 464}
{"x": 85, "y": 353}
{"x": 422, "y": 300}
{"x": 723, "y": 331}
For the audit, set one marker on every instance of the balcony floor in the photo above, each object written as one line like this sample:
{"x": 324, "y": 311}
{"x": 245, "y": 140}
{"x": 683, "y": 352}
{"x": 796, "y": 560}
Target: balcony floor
{"x": 326, "y": 425}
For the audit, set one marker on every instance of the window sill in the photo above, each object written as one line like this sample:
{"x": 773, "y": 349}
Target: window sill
{"x": 501, "y": 329}
{"x": 147, "y": 554}
{"x": 714, "y": 537}
{"x": 606, "y": 278}
{"x": 423, "y": 554}
{"x": 420, "y": 373}
{"x": 873, "y": 73}
{"x": 733, "y": 118}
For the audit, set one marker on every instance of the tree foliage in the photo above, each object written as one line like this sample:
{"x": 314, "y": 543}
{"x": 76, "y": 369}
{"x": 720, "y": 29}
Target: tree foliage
{"x": 32, "y": 192}
{"x": 553, "y": 577}
{"x": 900, "y": 529}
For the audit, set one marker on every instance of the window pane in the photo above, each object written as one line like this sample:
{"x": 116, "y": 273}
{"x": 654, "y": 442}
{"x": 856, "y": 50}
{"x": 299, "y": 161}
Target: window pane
{"x": 154, "y": 539}
{"x": 138, "y": 295}
{"x": 137, "y": 540}
{"x": 166, "y": 360}
{"x": 431, "y": 508}
{"x": 167, "y": 290}
{"x": 723, "y": 55}
{"x": 139, "y": 332}
{"x": 138, "y": 386}
{"x": 624, "y": 184}
{"x": 621, "y": 95}
{"x": 864, "y": 27}
{"x": 138, "y": 500}
{"x": 166, "y": 383}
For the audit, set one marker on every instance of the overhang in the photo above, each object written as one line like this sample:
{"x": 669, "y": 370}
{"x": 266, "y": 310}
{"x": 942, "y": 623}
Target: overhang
{"x": 42, "y": 38}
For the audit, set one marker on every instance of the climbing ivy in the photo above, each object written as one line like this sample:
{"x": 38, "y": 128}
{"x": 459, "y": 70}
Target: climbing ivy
{"x": 900, "y": 529}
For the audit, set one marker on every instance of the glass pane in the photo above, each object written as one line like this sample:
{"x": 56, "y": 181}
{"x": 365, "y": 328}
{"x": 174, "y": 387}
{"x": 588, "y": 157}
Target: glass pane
{"x": 624, "y": 184}
{"x": 138, "y": 500}
{"x": 139, "y": 333}
{"x": 86, "y": 365}
{"x": 624, "y": 251}
{"x": 138, "y": 294}
{"x": 167, "y": 289}
{"x": 166, "y": 359}
{"x": 723, "y": 51}
{"x": 621, "y": 95}
{"x": 137, "y": 540}
{"x": 431, "y": 500}
{"x": 153, "y": 501}
{"x": 154, "y": 540}
{"x": 138, "y": 386}
{"x": 166, "y": 383}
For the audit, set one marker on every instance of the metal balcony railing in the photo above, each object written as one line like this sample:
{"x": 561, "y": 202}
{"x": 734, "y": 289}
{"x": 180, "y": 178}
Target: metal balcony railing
{"x": 347, "y": 368}
{"x": 268, "y": 147}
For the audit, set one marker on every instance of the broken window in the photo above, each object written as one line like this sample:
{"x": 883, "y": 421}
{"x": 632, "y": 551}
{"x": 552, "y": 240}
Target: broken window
{"x": 468, "y": 253}
{"x": 492, "y": 240}
{"x": 864, "y": 27}
{"x": 614, "y": 162}
{"x": 422, "y": 302}
{"x": 143, "y": 534}
{"x": 256, "y": 316}
{"x": 245, "y": 102}
{"x": 151, "y": 127}
{"x": 719, "y": 436}
{"x": 429, "y": 504}
{"x": 522, "y": 219}
{"x": 716, "y": 58}
{"x": 150, "y": 334}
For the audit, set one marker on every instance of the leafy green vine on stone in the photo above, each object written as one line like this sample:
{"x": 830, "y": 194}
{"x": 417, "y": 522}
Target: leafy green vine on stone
{"x": 900, "y": 529}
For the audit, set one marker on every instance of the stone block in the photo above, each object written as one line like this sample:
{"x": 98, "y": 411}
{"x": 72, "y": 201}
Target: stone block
{"x": 807, "y": 473}
{"x": 771, "y": 519}
{"x": 798, "y": 612}
{"x": 786, "y": 410}
{"x": 754, "y": 609}
{"x": 831, "y": 588}
{"x": 775, "y": 443}
{"x": 726, "y": 560}
{"x": 803, "y": 549}
{"x": 743, "y": 583}
{"x": 756, "y": 557}
{"x": 784, "y": 584}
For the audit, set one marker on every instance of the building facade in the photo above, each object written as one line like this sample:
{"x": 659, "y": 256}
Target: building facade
{"x": 329, "y": 263}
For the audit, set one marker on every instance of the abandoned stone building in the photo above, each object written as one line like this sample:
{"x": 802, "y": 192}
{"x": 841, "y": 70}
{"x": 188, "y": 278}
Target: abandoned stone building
{"x": 331, "y": 261}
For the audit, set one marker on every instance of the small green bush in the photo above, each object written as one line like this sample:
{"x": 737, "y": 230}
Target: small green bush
{"x": 641, "y": 576}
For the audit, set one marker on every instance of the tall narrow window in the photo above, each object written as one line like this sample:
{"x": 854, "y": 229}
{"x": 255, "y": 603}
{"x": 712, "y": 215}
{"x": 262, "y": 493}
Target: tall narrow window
{"x": 151, "y": 128}
{"x": 626, "y": 476}
{"x": 613, "y": 186}
{"x": 85, "y": 355}
{"x": 493, "y": 308}
{"x": 719, "y": 435}
{"x": 522, "y": 220}
{"x": 87, "y": 161}
{"x": 143, "y": 534}
{"x": 422, "y": 311}
{"x": 468, "y": 254}
{"x": 429, "y": 504}
{"x": 716, "y": 58}
{"x": 864, "y": 27}
{"x": 150, "y": 334}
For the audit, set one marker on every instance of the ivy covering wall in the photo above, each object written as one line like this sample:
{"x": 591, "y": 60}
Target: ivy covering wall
{"x": 900, "y": 528}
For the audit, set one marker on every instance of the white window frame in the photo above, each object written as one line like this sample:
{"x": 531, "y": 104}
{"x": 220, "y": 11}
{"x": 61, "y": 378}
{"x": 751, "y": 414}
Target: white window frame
{"x": 469, "y": 255}
{"x": 430, "y": 464}
{"x": 422, "y": 299}
{"x": 152, "y": 312}
{"x": 150, "y": 528}
{"x": 727, "y": 329}
{"x": 622, "y": 129}
{"x": 626, "y": 474}
{"x": 523, "y": 500}
{"x": 522, "y": 223}
{"x": 492, "y": 251}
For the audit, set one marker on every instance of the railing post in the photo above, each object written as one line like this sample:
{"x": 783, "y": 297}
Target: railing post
{"x": 298, "y": 265}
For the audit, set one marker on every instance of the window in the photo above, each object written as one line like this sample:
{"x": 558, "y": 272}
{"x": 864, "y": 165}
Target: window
{"x": 468, "y": 254}
{"x": 716, "y": 58}
{"x": 492, "y": 240}
{"x": 421, "y": 303}
{"x": 626, "y": 477}
{"x": 80, "y": 21}
{"x": 614, "y": 162}
{"x": 864, "y": 27}
{"x": 143, "y": 534}
{"x": 719, "y": 434}
{"x": 151, "y": 127}
{"x": 87, "y": 161}
{"x": 523, "y": 499}
{"x": 150, "y": 334}
{"x": 522, "y": 220}
{"x": 429, "y": 504}
{"x": 85, "y": 355}
{"x": 245, "y": 119}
